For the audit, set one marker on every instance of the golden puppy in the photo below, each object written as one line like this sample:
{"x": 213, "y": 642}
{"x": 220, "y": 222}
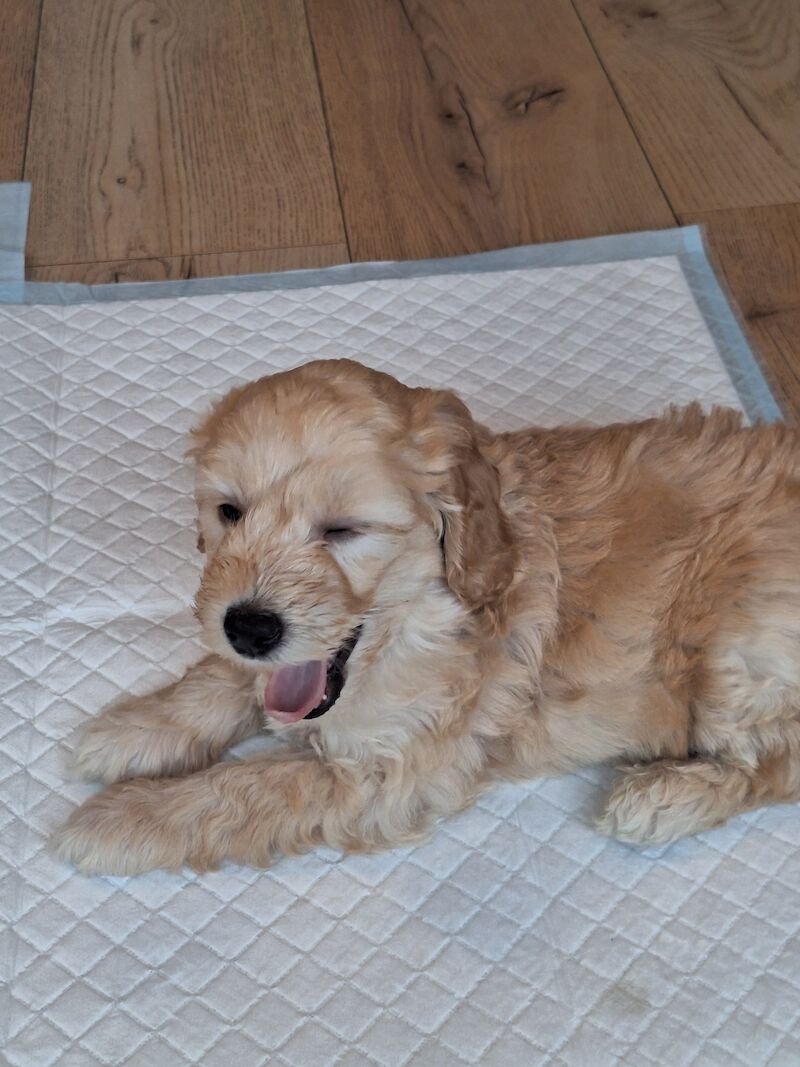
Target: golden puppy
{"x": 420, "y": 606}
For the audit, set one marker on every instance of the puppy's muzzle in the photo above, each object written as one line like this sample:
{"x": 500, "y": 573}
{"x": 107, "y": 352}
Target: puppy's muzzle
{"x": 252, "y": 633}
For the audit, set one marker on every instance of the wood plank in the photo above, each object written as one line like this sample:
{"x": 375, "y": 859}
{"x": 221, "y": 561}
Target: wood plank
{"x": 777, "y": 341}
{"x": 20, "y": 28}
{"x": 459, "y": 125}
{"x": 121, "y": 270}
{"x": 266, "y": 260}
{"x": 212, "y": 265}
{"x": 164, "y": 128}
{"x": 712, "y": 89}
{"x": 757, "y": 251}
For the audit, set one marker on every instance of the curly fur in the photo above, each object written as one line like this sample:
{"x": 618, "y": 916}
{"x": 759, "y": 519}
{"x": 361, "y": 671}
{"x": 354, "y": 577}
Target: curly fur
{"x": 530, "y": 602}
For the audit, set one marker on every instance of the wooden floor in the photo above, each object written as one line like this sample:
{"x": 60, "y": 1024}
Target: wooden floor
{"x": 172, "y": 138}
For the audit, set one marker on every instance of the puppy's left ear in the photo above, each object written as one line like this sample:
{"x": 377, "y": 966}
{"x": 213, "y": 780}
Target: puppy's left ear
{"x": 480, "y": 555}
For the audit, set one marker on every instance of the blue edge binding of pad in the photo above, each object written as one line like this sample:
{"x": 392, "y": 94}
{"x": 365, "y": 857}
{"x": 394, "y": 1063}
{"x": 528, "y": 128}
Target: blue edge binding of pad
{"x": 686, "y": 244}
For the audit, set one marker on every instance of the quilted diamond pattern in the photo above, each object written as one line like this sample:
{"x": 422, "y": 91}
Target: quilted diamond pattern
{"x": 516, "y": 935}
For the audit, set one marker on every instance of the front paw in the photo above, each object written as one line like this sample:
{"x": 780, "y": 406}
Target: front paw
{"x": 134, "y": 739}
{"x": 120, "y": 831}
{"x": 106, "y": 749}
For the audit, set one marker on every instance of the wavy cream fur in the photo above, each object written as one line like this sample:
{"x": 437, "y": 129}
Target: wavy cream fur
{"x": 530, "y": 602}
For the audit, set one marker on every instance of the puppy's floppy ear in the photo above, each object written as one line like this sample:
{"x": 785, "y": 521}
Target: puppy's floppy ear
{"x": 464, "y": 488}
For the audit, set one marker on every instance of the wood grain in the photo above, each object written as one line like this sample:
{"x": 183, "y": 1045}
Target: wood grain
{"x": 19, "y": 27}
{"x": 177, "y": 268}
{"x": 162, "y": 128}
{"x": 711, "y": 87}
{"x": 757, "y": 252}
{"x": 459, "y": 125}
{"x": 266, "y": 260}
{"x": 167, "y": 269}
{"x": 777, "y": 341}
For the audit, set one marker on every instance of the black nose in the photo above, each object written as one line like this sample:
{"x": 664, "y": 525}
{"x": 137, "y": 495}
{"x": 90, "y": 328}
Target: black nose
{"x": 252, "y": 633}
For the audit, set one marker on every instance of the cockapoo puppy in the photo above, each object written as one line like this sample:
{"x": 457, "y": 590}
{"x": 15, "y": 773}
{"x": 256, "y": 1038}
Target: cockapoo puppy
{"x": 420, "y": 606}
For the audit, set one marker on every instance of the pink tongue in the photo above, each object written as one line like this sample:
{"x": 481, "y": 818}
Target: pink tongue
{"x": 294, "y": 691}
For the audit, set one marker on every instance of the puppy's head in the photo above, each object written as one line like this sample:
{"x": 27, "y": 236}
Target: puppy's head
{"x": 328, "y": 496}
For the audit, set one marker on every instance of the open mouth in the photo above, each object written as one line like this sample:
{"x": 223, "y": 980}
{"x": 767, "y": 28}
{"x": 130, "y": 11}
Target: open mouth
{"x": 308, "y": 690}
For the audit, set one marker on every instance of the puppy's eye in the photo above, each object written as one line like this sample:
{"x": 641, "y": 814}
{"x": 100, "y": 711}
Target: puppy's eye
{"x": 338, "y": 533}
{"x": 228, "y": 514}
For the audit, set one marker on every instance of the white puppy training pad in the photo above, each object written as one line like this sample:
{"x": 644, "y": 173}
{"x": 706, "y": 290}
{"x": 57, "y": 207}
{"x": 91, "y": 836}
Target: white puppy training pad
{"x": 517, "y": 935}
